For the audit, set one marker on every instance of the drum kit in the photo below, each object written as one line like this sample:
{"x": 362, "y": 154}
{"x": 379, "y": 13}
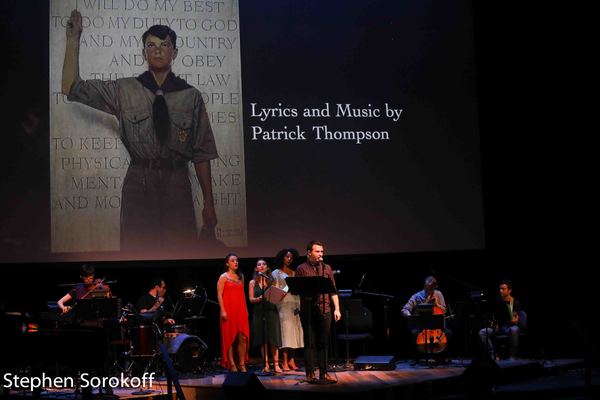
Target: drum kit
{"x": 143, "y": 335}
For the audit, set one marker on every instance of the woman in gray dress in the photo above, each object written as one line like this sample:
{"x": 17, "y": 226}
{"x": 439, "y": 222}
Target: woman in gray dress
{"x": 292, "y": 336}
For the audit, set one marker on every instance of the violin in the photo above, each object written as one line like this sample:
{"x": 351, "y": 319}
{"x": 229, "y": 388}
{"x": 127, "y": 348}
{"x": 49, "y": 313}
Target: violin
{"x": 432, "y": 340}
{"x": 96, "y": 288}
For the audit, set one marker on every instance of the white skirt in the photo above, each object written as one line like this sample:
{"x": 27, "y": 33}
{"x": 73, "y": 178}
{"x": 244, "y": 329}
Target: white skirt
{"x": 292, "y": 335}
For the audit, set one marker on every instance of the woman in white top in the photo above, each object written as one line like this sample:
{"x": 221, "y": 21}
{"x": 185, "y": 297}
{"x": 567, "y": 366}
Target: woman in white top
{"x": 292, "y": 336}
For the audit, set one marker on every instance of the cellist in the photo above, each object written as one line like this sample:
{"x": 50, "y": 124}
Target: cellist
{"x": 429, "y": 295}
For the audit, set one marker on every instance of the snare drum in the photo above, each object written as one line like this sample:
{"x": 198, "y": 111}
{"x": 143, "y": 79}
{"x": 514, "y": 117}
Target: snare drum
{"x": 143, "y": 341}
{"x": 176, "y": 329}
{"x": 172, "y": 332}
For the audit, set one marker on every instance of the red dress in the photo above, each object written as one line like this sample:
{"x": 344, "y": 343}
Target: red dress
{"x": 234, "y": 302}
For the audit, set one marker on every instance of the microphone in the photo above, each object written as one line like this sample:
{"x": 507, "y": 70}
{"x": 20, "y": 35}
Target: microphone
{"x": 322, "y": 263}
{"x": 336, "y": 271}
{"x": 265, "y": 276}
{"x": 361, "y": 280}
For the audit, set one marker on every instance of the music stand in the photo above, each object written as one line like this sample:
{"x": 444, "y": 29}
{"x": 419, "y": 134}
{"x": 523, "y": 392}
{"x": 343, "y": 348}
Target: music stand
{"x": 97, "y": 308}
{"x": 188, "y": 307}
{"x": 307, "y": 287}
{"x": 427, "y": 321}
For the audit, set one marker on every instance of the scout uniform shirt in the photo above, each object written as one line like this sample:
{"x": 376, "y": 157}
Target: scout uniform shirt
{"x": 157, "y": 209}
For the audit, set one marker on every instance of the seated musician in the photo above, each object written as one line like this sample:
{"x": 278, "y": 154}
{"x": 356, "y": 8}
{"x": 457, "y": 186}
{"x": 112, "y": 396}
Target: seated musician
{"x": 82, "y": 290}
{"x": 152, "y": 302}
{"x": 429, "y": 295}
{"x": 506, "y": 320}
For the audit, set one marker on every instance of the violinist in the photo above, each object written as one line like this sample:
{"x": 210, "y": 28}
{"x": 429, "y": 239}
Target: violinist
{"x": 153, "y": 301}
{"x": 81, "y": 290}
{"x": 429, "y": 295}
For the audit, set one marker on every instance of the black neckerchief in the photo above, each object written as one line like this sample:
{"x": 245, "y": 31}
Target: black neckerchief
{"x": 160, "y": 112}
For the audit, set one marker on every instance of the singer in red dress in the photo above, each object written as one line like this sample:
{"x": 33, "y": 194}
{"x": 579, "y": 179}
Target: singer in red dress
{"x": 235, "y": 329}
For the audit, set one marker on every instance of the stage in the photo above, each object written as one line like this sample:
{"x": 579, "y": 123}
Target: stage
{"x": 405, "y": 382}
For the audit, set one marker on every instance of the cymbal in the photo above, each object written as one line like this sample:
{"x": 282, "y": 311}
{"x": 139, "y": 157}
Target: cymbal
{"x": 195, "y": 317}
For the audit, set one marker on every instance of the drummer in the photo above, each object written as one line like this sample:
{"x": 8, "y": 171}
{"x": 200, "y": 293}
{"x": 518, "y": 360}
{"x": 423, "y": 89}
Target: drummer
{"x": 153, "y": 302}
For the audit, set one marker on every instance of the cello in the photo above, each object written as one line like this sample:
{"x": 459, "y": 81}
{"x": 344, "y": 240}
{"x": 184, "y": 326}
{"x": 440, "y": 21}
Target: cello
{"x": 432, "y": 341}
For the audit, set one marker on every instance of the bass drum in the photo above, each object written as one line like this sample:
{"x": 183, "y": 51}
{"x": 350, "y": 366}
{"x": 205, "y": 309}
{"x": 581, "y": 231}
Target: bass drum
{"x": 188, "y": 352}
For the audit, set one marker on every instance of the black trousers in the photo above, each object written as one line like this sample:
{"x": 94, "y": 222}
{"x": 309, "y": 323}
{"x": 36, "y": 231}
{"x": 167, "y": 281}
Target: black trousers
{"x": 316, "y": 328}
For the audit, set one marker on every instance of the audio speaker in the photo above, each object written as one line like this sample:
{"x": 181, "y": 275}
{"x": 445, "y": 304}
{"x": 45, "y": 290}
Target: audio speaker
{"x": 239, "y": 385}
{"x": 374, "y": 363}
{"x": 480, "y": 376}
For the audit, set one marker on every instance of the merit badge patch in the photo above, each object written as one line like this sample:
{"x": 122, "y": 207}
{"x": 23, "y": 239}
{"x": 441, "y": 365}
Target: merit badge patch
{"x": 182, "y": 135}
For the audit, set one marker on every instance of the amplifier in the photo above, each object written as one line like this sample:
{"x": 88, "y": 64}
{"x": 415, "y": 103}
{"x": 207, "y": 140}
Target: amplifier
{"x": 374, "y": 363}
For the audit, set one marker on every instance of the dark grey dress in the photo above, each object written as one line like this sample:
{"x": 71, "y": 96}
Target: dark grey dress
{"x": 271, "y": 320}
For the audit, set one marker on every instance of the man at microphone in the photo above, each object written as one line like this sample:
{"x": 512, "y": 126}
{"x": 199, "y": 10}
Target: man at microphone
{"x": 152, "y": 302}
{"x": 316, "y": 314}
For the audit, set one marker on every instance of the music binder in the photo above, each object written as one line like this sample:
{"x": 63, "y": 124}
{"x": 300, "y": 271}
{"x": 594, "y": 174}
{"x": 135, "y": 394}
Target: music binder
{"x": 274, "y": 294}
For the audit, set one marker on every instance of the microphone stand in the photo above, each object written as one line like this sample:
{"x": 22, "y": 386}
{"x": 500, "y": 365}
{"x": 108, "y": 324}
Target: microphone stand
{"x": 465, "y": 319}
{"x": 325, "y": 349}
{"x": 265, "y": 343}
{"x": 386, "y": 302}
{"x": 338, "y": 365}
{"x": 323, "y": 314}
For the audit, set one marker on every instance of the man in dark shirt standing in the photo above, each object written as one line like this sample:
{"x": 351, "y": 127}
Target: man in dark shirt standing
{"x": 316, "y": 314}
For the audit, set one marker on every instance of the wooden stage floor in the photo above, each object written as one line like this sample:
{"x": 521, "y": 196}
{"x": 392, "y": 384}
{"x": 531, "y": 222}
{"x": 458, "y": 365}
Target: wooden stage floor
{"x": 352, "y": 384}
{"x": 405, "y": 382}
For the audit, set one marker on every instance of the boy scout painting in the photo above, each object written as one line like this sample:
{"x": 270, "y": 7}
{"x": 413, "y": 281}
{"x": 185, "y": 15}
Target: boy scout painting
{"x": 163, "y": 124}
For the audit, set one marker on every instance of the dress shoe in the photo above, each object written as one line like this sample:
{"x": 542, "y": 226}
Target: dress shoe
{"x": 310, "y": 376}
{"x": 327, "y": 378}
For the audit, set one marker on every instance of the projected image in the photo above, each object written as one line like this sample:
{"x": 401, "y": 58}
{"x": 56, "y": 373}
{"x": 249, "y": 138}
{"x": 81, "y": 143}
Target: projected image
{"x": 131, "y": 169}
{"x": 358, "y": 125}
